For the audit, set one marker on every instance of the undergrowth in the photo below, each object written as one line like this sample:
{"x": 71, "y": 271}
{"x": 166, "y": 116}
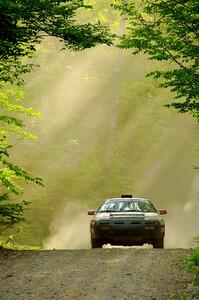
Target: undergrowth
{"x": 192, "y": 264}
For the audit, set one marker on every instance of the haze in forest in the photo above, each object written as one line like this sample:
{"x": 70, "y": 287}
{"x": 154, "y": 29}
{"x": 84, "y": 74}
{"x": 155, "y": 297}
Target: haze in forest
{"x": 104, "y": 132}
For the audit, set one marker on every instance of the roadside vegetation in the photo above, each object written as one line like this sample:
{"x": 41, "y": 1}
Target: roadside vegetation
{"x": 192, "y": 265}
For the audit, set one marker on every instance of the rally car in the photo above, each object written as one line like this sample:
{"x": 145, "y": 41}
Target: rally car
{"x": 127, "y": 221}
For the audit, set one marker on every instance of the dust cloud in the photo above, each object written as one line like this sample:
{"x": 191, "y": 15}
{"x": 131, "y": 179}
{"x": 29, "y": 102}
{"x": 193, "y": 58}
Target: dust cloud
{"x": 70, "y": 230}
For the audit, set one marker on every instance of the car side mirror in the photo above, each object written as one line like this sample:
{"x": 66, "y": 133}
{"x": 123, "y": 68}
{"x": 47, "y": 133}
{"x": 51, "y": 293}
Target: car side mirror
{"x": 162, "y": 211}
{"x": 91, "y": 212}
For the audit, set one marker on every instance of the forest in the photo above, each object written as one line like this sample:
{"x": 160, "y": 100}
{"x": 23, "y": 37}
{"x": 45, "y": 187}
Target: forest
{"x": 98, "y": 98}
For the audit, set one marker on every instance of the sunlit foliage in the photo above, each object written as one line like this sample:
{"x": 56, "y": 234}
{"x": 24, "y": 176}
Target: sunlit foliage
{"x": 12, "y": 129}
{"x": 24, "y": 23}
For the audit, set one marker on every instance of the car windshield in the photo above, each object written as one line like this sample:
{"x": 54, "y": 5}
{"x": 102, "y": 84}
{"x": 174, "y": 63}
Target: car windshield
{"x": 135, "y": 205}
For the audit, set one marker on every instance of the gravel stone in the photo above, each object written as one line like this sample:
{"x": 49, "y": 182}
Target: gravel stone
{"x": 100, "y": 274}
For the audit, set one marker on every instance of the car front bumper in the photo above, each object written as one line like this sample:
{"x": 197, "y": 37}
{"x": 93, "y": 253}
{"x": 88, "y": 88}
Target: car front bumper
{"x": 127, "y": 232}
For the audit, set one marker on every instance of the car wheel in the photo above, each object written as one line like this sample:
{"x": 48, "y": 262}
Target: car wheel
{"x": 158, "y": 244}
{"x": 96, "y": 243}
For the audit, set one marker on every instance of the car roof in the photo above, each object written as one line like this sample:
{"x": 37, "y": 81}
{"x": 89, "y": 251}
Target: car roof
{"x": 127, "y": 198}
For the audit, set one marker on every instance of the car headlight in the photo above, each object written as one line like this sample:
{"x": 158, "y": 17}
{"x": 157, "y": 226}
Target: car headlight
{"x": 152, "y": 218}
{"x": 102, "y": 216}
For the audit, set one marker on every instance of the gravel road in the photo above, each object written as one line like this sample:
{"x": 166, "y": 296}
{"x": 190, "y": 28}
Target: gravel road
{"x": 98, "y": 274}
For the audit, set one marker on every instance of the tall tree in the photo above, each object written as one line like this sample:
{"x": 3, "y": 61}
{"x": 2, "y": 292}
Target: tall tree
{"x": 167, "y": 31}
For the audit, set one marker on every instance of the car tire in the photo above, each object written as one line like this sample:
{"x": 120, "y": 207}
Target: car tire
{"x": 96, "y": 243}
{"x": 158, "y": 244}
